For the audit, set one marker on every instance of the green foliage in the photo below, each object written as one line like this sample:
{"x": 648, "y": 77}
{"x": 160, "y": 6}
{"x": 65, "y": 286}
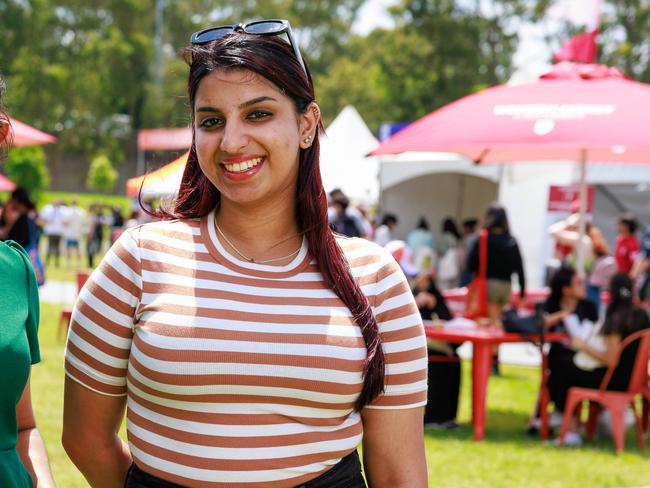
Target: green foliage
{"x": 27, "y": 167}
{"x": 437, "y": 53}
{"x": 85, "y": 71}
{"x": 101, "y": 175}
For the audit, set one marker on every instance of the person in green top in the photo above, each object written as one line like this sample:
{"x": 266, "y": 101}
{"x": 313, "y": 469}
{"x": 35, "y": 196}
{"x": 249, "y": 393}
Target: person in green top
{"x": 23, "y": 459}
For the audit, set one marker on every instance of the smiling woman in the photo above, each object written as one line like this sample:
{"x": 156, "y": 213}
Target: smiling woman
{"x": 251, "y": 345}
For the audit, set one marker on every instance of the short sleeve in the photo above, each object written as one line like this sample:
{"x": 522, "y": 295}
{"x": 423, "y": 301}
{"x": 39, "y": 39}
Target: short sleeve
{"x": 33, "y": 310}
{"x": 101, "y": 328}
{"x": 403, "y": 339}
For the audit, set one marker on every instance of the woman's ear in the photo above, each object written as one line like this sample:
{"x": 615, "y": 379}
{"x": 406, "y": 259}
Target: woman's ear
{"x": 309, "y": 125}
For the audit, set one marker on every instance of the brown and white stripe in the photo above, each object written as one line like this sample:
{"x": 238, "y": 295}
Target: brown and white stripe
{"x": 238, "y": 374}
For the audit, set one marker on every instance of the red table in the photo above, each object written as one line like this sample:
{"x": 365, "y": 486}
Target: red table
{"x": 483, "y": 340}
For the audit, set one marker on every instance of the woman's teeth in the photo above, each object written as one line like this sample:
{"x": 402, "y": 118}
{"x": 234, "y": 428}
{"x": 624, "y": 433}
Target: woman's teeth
{"x": 243, "y": 166}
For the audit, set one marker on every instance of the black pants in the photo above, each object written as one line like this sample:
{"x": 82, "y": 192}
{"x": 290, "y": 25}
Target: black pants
{"x": 345, "y": 474}
{"x": 444, "y": 388}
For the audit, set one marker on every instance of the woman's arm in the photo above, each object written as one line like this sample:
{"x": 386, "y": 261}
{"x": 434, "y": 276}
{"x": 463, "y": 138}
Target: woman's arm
{"x": 31, "y": 448}
{"x": 93, "y": 419}
{"x": 554, "y": 318}
{"x": 393, "y": 448}
{"x": 607, "y": 357}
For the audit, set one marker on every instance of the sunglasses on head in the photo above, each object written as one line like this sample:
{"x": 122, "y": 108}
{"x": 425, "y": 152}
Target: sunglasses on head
{"x": 271, "y": 27}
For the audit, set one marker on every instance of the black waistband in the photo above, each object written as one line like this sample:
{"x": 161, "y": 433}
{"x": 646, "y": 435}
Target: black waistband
{"x": 346, "y": 473}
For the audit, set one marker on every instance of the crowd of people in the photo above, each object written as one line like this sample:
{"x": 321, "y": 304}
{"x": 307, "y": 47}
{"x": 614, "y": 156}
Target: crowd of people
{"x": 450, "y": 259}
{"x": 68, "y": 232}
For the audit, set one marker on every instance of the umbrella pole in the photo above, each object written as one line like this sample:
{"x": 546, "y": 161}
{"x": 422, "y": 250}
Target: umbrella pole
{"x": 582, "y": 224}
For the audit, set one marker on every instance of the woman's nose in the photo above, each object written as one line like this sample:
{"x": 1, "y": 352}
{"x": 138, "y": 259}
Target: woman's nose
{"x": 234, "y": 138}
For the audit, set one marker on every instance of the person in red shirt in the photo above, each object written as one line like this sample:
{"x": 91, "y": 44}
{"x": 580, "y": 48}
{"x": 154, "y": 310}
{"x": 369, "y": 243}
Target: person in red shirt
{"x": 627, "y": 245}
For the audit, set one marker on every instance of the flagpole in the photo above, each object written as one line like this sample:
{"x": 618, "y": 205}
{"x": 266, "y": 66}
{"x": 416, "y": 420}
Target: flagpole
{"x": 582, "y": 214}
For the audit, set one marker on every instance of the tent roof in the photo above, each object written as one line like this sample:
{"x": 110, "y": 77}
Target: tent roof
{"x": 164, "y": 181}
{"x": 342, "y": 161}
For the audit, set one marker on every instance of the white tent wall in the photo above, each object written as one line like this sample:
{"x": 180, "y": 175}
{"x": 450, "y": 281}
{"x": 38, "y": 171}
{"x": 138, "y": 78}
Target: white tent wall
{"x": 436, "y": 196}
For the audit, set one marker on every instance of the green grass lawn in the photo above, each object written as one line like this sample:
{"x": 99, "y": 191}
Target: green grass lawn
{"x": 507, "y": 457}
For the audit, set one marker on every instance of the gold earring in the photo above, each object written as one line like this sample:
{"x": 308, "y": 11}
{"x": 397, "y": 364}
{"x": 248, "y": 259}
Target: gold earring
{"x": 307, "y": 140}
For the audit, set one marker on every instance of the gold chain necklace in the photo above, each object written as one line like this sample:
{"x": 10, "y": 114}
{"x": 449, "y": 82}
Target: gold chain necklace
{"x": 246, "y": 258}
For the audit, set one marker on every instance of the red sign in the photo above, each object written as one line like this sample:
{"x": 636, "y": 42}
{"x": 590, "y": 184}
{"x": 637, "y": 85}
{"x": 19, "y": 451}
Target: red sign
{"x": 566, "y": 199}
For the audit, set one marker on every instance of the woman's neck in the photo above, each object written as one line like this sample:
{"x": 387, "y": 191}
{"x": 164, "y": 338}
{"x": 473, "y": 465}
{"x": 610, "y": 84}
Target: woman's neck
{"x": 569, "y": 303}
{"x": 259, "y": 232}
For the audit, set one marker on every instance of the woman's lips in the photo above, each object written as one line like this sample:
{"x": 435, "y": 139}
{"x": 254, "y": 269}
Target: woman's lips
{"x": 241, "y": 168}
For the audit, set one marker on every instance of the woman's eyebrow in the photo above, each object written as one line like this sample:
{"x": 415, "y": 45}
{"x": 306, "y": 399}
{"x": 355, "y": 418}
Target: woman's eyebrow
{"x": 240, "y": 107}
{"x": 257, "y": 100}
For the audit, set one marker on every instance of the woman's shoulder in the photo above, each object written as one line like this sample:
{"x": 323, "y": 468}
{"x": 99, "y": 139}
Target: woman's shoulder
{"x": 12, "y": 256}
{"x": 11, "y": 249}
{"x": 356, "y": 248}
{"x": 166, "y": 226}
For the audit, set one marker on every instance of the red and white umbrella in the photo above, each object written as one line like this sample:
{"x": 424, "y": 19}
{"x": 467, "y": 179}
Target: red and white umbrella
{"x": 581, "y": 113}
{"x": 6, "y": 184}
{"x": 25, "y": 135}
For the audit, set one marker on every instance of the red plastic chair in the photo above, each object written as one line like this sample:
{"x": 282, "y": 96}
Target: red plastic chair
{"x": 616, "y": 401}
{"x": 66, "y": 315}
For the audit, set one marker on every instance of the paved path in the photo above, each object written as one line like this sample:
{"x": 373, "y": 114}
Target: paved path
{"x": 64, "y": 292}
{"x": 58, "y": 292}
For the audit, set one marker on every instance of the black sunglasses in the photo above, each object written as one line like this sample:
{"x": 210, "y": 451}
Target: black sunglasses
{"x": 271, "y": 27}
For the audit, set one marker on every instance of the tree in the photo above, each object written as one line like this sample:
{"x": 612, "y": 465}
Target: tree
{"x": 438, "y": 52}
{"x": 27, "y": 168}
{"x": 101, "y": 175}
{"x": 624, "y": 38}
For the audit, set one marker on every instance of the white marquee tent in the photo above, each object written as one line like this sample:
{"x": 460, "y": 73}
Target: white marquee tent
{"x": 342, "y": 161}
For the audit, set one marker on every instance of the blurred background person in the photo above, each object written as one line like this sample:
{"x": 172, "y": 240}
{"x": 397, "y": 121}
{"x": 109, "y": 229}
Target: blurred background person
{"x": 351, "y": 212}
{"x": 116, "y": 223}
{"x": 448, "y": 273}
{"x": 444, "y": 369}
{"x": 342, "y": 222}
{"x": 384, "y": 233}
{"x": 567, "y": 311}
{"x": 20, "y": 226}
{"x": 422, "y": 244}
{"x": 603, "y": 268}
{"x": 16, "y": 222}
{"x": 95, "y": 236}
{"x": 75, "y": 223}
{"x": 627, "y": 245}
{"x": 52, "y": 217}
{"x": 600, "y": 350}
{"x": 470, "y": 227}
{"x": 503, "y": 260}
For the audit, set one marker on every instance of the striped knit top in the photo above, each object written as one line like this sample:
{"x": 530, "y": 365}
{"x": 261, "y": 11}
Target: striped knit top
{"x": 238, "y": 374}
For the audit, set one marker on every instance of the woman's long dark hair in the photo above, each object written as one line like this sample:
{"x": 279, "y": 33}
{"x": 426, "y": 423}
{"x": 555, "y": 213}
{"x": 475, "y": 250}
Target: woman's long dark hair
{"x": 622, "y": 316}
{"x": 560, "y": 280}
{"x": 496, "y": 219}
{"x": 4, "y": 119}
{"x": 273, "y": 59}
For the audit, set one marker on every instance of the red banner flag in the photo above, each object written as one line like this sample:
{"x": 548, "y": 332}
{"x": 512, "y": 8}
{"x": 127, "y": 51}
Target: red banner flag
{"x": 581, "y": 49}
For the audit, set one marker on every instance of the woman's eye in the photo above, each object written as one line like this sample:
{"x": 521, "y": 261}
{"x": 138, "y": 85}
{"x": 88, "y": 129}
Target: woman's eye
{"x": 211, "y": 122}
{"x": 259, "y": 115}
